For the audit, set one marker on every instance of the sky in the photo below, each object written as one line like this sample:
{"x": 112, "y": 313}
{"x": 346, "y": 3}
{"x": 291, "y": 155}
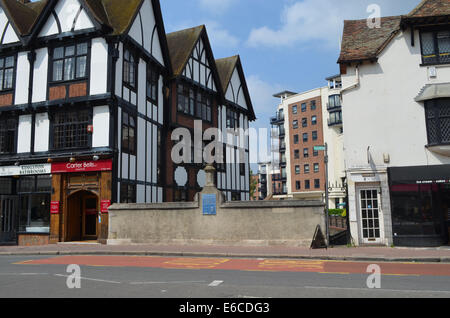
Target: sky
{"x": 283, "y": 44}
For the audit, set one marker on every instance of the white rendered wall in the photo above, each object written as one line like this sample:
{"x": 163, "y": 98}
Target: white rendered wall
{"x": 99, "y": 67}
{"x": 22, "y": 78}
{"x": 382, "y": 113}
{"x": 41, "y": 137}
{"x": 24, "y": 134}
{"x": 40, "y": 75}
{"x": 101, "y": 119}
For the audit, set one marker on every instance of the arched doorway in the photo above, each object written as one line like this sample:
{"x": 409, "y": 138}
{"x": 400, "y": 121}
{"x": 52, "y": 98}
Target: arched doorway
{"x": 82, "y": 208}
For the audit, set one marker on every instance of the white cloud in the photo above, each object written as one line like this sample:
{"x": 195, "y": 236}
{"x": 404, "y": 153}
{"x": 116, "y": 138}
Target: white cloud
{"x": 216, "y": 6}
{"x": 264, "y": 104}
{"x": 220, "y": 37}
{"x": 321, "y": 20}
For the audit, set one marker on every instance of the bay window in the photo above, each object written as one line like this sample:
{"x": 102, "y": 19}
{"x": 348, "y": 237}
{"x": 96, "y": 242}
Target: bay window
{"x": 438, "y": 121}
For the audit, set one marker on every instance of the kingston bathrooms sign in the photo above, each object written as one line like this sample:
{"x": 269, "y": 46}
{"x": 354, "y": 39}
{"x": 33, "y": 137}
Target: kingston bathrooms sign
{"x": 27, "y": 170}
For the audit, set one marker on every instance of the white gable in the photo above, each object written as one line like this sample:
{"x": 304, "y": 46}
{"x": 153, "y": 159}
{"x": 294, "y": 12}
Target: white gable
{"x": 68, "y": 16}
{"x": 144, "y": 31}
{"x": 6, "y": 29}
{"x": 235, "y": 91}
{"x": 198, "y": 68}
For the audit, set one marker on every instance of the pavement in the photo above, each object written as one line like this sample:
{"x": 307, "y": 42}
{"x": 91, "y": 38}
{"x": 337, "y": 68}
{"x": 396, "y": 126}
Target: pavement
{"x": 362, "y": 254}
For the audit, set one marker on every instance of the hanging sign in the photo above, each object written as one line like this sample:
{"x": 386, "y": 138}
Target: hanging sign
{"x": 54, "y": 207}
{"x": 82, "y": 166}
{"x": 104, "y": 205}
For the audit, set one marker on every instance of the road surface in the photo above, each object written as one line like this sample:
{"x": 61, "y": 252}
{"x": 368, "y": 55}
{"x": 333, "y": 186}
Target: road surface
{"x": 184, "y": 277}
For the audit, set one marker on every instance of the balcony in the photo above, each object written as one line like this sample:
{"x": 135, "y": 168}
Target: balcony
{"x": 335, "y": 119}
{"x": 278, "y": 119}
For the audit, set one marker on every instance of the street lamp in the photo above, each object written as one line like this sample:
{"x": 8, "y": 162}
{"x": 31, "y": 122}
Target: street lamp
{"x": 327, "y": 204}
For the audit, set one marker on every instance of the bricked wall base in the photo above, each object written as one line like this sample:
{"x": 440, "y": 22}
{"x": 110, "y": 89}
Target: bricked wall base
{"x": 33, "y": 240}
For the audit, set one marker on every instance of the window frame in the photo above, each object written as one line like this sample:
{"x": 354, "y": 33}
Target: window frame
{"x": 437, "y": 54}
{"x": 4, "y": 126}
{"x": 434, "y": 106}
{"x": 54, "y": 126}
{"x": 153, "y": 75}
{"x": 127, "y": 149}
{"x": 14, "y": 73}
{"x": 131, "y": 192}
{"x": 199, "y": 102}
{"x": 75, "y": 56}
{"x": 126, "y": 75}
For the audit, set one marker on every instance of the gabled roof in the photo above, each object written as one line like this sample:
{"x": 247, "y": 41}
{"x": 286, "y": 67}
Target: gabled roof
{"x": 359, "y": 42}
{"x": 22, "y": 16}
{"x": 181, "y": 44}
{"x": 430, "y": 8}
{"x": 225, "y": 68}
{"x": 120, "y": 13}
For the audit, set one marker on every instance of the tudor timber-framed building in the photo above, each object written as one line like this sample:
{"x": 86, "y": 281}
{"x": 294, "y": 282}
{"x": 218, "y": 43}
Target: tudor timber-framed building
{"x": 85, "y": 115}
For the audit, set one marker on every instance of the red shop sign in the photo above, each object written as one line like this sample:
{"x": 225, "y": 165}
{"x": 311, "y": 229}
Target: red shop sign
{"x": 104, "y": 205}
{"x": 54, "y": 207}
{"x": 82, "y": 166}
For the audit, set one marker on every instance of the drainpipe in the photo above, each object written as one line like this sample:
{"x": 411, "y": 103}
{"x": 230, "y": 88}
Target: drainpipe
{"x": 31, "y": 60}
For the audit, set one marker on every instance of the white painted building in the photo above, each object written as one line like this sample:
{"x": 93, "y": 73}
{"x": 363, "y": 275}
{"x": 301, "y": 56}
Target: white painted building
{"x": 397, "y": 127}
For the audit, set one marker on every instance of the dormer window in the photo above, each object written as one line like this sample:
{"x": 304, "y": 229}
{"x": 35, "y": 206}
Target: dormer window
{"x": 70, "y": 62}
{"x": 435, "y": 47}
{"x": 7, "y": 67}
{"x": 129, "y": 69}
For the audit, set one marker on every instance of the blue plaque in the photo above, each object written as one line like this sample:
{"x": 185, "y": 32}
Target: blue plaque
{"x": 209, "y": 204}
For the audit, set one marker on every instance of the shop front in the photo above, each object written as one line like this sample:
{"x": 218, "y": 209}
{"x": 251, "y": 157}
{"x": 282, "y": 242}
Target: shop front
{"x": 25, "y": 193}
{"x": 80, "y": 201}
{"x": 420, "y": 203}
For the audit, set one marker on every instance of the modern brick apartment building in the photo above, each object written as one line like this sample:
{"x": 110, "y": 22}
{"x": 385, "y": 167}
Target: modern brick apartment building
{"x": 304, "y": 121}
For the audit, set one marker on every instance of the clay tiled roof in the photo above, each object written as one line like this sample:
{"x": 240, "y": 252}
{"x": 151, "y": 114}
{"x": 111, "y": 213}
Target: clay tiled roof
{"x": 431, "y": 8}
{"x": 360, "y": 42}
{"x": 181, "y": 44}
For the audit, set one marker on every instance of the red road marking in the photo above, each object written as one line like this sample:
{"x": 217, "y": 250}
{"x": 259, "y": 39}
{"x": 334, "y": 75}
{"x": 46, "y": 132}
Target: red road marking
{"x": 272, "y": 265}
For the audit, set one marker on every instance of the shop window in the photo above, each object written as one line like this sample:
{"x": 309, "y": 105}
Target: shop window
{"x": 8, "y": 128}
{"x": 34, "y": 207}
{"x": 7, "y": 71}
{"x": 6, "y": 185}
{"x": 129, "y": 142}
{"x": 70, "y": 62}
{"x": 127, "y": 193}
{"x": 70, "y": 129}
